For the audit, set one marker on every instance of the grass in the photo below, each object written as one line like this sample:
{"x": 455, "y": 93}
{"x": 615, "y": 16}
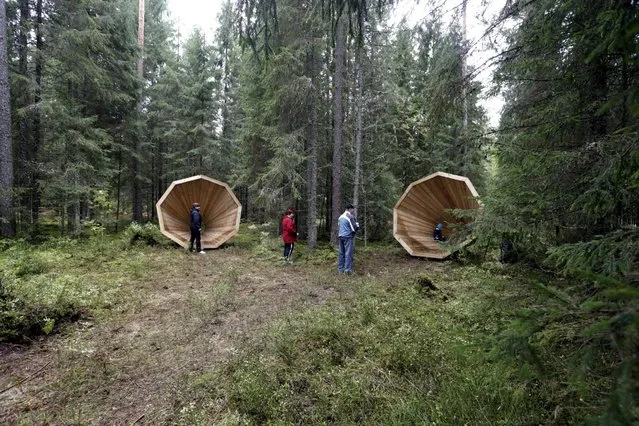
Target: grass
{"x": 60, "y": 280}
{"x": 394, "y": 354}
{"x": 238, "y": 337}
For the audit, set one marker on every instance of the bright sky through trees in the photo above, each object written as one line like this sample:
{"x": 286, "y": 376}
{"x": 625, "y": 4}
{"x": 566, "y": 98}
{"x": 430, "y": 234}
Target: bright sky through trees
{"x": 189, "y": 14}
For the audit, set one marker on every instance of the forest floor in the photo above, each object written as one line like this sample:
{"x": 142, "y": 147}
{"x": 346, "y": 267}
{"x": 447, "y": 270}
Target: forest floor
{"x": 181, "y": 315}
{"x": 172, "y": 324}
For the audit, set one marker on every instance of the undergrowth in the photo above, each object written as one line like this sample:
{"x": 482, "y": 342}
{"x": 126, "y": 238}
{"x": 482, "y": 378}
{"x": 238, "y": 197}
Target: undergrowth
{"x": 406, "y": 342}
{"x": 62, "y": 280}
{"x": 474, "y": 346}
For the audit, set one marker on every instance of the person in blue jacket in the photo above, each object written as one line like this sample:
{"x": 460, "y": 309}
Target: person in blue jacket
{"x": 196, "y": 228}
{"x": 347, "y": 227}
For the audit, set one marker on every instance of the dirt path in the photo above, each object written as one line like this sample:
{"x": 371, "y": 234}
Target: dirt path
{"x": 178, "y": 321}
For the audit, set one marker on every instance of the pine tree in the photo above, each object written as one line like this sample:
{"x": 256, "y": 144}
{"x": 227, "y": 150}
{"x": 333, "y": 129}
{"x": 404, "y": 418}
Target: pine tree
{"x": 88, "y": 93}
{"x": 566, "y": 186}
{"x": 22, "y": 100}
{"x": 159, "y": 114}
{"x": 136, "y": 160}
{"x": 568, "y": 152}
{"x": 6, "y": 155}
{"x": 199, "y": 112}
{"x": 228, "y": 60}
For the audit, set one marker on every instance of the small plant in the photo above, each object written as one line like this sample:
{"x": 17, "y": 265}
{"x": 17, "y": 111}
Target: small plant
{"x": 47, "y": 325}
{"x": 269, "y": 246}
{"x": 147, "y": 234}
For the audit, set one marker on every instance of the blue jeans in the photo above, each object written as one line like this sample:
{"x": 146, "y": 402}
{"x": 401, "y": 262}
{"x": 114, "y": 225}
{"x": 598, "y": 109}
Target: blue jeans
{"x": 345, "y": 257}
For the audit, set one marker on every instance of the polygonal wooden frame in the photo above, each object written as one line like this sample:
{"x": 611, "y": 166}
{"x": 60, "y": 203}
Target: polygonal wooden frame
{"x": 427, "y": 202}
{"x": 220, "y": 209}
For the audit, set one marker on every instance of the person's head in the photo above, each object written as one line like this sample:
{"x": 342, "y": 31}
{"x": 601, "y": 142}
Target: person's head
{"x": 350, "y": 208}
{"x": 290, "y": 213}
{"x": 439, "y": 226}
{"x": 196, "y": 206}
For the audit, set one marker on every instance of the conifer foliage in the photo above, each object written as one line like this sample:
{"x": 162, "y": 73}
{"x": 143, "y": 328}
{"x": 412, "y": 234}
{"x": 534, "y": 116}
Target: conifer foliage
{"x": 310, "y": 105}
{"x": 566, "y": 186}
{"x": 256, "y": 106}
{"x": 567, "y": 156}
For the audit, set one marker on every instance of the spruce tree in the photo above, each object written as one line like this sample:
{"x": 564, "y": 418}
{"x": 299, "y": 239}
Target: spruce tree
{"x": 6, "y": 155}
{"x": 199, "y": 106}
{"x": 89, "y": 91}
{"x": 568, "y": 148}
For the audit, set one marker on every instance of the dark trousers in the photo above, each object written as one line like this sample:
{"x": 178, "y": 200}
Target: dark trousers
{"x": 288, "y": 250}
{"x": 195, "y": 236}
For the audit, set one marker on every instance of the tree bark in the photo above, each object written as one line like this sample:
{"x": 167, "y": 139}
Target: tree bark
{"x": 311, "y": 222}
{"x": 37, "y": 127}
{"x": 338, "y": 118}
{"x": 7, "y": 226}
{"x": 23, "y": 153}
{"x": 136, "y": 169}
{"x": 464, "y": 75}
{"x": 358, "y": 123}
{"x": 119, "y": 185}
{"x": 160, "y": 169}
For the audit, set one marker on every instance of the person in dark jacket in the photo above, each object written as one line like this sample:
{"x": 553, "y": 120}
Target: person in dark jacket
{"x": 196, "y": 228}
{"x": 437, "y": 233}
{"x": 289, "y": 235}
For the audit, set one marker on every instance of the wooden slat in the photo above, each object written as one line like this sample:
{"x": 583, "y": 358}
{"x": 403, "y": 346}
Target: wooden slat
{"x": 219, "y": 207}
{"x": 425, "y": 203}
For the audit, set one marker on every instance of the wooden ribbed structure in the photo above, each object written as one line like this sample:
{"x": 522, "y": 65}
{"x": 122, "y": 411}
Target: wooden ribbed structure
{"x": 425, "y": 203}
{"x": 219, "y": 207}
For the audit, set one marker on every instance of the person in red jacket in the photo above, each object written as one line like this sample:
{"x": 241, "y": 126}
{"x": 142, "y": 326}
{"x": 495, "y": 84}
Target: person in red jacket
{"x": 289, "y": 235}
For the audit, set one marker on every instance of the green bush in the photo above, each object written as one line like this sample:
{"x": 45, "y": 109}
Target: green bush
{"x": 59, "y": 280}
{"x": 147, "y": 234}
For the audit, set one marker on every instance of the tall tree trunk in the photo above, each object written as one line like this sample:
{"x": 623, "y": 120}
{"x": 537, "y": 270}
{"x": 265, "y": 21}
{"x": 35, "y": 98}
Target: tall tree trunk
{"x": 225, "y": 143}
{"x": 119, "y": 185}
{"x": 23, "y": 100}
{"x": 77, "y": 210}
{"x": 150, "y": 211}
{"x": 358, "y": 122}
{"x": 160, "y": 169}
{"x": 311, "y": 222}
{"x": 7, "y": 226}
{"x": 338, "y": 119}
{"x": 37, "y": 128}
{"x": 136, "y": 169}
{"x": 140, "y": 60}
{"x": 327, "y": 98}
{"x": 63, "y": 216}
{"x": 464, "y": 75}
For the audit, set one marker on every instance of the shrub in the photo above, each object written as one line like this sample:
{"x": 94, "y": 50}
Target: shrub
{"x": 147, "y": 234}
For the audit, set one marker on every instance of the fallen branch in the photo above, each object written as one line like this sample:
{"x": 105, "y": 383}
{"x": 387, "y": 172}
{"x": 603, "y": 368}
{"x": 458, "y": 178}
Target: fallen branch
{"x": 26, "y": 379}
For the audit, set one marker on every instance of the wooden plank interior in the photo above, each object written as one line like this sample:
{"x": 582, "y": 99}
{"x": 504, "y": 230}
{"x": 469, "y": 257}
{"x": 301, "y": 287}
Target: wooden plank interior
{"x": 427, "y": 202}
{"x": 220, "y": 210}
